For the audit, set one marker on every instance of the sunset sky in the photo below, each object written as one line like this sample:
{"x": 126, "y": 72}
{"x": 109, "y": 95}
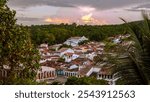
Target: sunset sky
{"x": 93, "y": 12}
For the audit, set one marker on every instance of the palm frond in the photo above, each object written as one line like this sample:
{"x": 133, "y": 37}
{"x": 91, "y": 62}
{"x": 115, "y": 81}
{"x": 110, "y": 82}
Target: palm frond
{"x": 136, "y": 68}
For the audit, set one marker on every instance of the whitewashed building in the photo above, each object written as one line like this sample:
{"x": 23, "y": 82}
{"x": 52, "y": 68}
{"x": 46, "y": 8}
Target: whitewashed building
{"x": 74, "y": 41}
{"x": 64, "y": 51}
{"x": 45, "y": 73}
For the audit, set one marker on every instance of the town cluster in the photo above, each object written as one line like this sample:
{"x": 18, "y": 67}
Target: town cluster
{"x": 76, "y": 57}
{"x": 72, "y": 60}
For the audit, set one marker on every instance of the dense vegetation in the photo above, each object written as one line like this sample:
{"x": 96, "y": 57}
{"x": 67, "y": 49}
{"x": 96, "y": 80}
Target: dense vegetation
{"x": 135, "y": 68}
{"x": 53, "y": 34}
{"x": 17, "y": 53}
{"x": 85, "y": 81}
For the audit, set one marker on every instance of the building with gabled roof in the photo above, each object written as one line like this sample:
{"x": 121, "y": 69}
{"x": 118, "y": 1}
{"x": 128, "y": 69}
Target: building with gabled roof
{"x": 46, "y": 73}
{"x": 74, "y": 41}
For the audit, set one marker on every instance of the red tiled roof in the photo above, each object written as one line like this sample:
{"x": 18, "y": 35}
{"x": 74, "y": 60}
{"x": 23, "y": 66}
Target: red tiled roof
{"x": 84, "y": 71}
{"x": 106, "y": 71}
{"x": 69, "y": 54}
{"x": 62, "y": 49}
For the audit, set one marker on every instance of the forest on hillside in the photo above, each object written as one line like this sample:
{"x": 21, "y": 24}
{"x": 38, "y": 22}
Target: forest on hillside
{"x": 53, "y": 34}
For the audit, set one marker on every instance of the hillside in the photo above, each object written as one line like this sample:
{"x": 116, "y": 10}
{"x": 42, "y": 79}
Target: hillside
{"x": 53, "y": 34}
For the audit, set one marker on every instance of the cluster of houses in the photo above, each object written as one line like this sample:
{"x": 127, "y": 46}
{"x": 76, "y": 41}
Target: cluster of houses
{"x": 75, "y": 60}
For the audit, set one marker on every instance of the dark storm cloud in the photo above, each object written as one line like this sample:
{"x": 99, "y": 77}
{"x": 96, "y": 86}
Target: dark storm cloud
{"x": 140, "y": 8}
{"x": 28, "y": 19}
{"x": 98, "y": 4}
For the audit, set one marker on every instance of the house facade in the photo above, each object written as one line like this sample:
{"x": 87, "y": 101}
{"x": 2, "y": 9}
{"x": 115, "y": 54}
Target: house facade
{"x": 45, "y": 73}
{"x": 74, "y": 41}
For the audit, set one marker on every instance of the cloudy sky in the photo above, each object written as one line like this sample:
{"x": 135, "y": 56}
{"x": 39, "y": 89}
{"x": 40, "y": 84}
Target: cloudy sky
{"x": 94, "y": 12}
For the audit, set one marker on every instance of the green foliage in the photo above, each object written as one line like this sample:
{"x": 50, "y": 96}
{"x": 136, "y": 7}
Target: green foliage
{"x": 2, "y": 3}
{"x": 135, "y": 68}
{"x": 59, "y": 33}
{"x": 110, "y": 46}
{"x": 56, "y": 83}
{"x": 16, "y": 50}
{"x": 83, "y": 42}
{"x": 51, "y": 35}
{"x": 61, "y": 60}
{"x": 85, "y": 81}
{"x": 42, "y": 36}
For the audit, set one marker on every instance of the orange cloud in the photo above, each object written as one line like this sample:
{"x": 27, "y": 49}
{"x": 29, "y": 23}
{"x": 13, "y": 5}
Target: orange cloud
{"x": 57, "y": 20}
{"x": 99, "y": 22}
{"x": 87, "y": 18}
{"x": 48, "y": 20}
{"x": 91, "y": 20}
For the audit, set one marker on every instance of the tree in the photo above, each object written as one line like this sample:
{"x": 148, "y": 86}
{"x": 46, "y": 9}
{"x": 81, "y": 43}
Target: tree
{"x": 135, "y": 68}
{"x": 56, "y": 83}
{"x": 60, "y": 33}
{"x": 85, "y": 81}
{"x": 16, "y": 50}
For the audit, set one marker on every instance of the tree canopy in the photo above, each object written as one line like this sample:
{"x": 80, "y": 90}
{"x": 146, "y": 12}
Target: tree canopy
{"x": 85, "y": 81}
{"x": 134, "y": 69}
{"x": 59, "y": 33}
{"x": 17, "y": 53}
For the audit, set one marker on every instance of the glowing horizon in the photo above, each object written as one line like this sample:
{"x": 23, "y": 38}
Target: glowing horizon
{"x": 84, "y": 12}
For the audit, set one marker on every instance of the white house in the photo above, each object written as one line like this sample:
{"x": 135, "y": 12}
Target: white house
{"x": 91, "y": 55}
{"x": 74, "y": 41}
{"x": 74, "y": 56}
{"x": 73, "y": 66}
{"x": 45, "y": 73}
{"x": 70, "y": 73}
{"x": 44, "y": 50}
{"x": 117, "y": 41}
{"x": 49, "y": 58}
{"x": 44, "y": 46}
{"x": 70, "y": 56}
{"x": 65, "y": 50}
{"x": 94, "y": 69}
